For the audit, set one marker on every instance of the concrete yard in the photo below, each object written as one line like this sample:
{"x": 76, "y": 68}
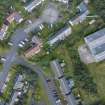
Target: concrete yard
{"x": 85, "y": 54}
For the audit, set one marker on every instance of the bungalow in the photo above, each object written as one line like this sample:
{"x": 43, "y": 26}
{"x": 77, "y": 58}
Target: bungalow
{"x": 33, "y": 5}
{"x": 18, "y": 17}
{"x": 60, "y": 35}
{"x": 17, "y": 90}
{"x": 83, "y": 12}
{"x": 36, "y": 48}
{"x": 15, "y": 16}
{"x": 3, "y": 30}
{"x": 57, "y": 69}
{"x": 63, "y": 1}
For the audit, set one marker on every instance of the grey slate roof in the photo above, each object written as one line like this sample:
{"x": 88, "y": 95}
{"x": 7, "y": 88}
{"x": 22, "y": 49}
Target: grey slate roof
{"x": 82, "y": 7}
{"x": 81, "y": 16}
{"x": 32, "y": 5}
{"x": 57, "y": 68}
{"x": 95, "y": 35}
{"x": 60, "y": 35}
{"x": 64, "y": 86}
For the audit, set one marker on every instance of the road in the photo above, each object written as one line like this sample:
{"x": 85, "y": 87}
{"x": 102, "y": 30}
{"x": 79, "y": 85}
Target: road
{"x": 38, "y": 70}
{"x": 17, "y": 37}
{"x": 33, "y": 25}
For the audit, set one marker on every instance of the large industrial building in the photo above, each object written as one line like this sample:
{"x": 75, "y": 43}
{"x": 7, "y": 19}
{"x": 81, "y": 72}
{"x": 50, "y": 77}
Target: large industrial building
{"x": 96, "y": 44}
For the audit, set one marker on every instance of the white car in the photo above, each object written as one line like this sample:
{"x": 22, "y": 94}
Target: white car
{"x": 3, "y": 59}
{"x": 22, "y": 42}
{"x": 26, "y": 40}
{"x": 20, "y": 45}
{"x": 10, "y": 43}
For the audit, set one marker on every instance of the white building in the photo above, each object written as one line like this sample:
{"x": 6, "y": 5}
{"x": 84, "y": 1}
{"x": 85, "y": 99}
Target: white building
{"x": 83, "y": 12}
{"x": 64, "y": 86}
{"x": 33, "y": 5}
{"x": 63, "y": 1}
{"x": 96, "y": 44}
{"x": 60, "y": 35}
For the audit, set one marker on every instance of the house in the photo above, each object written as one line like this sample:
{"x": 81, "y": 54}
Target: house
{"x": 33, "y": 5}
{"x": 57, "y": 69}
{"x": 60, "y": 35}
{"x": 17, "y": 90}
{"x": 36, "y": 48}
{"x": 19, "y": 84}
{"x": 96, "y": 44}
{"x": 82, "y": 15}
{"x": 63, "y": 1}
{"x": 18, "y": 18}
{"x": 15, "y": 16}
{"x": 10, "y": 18}
{"x": 3, "y": 30}
{"x": 64, "y": 86}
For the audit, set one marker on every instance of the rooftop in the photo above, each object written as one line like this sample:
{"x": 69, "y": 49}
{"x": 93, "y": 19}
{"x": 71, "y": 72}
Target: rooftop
{"x": 57, "y": 68}
{"x": 96, "y": 44}
{"x": 32, "y": 5}
{"x": 60, "y": 35}
{"x": 82, "y": 7}
{"x": 81, "y": 16}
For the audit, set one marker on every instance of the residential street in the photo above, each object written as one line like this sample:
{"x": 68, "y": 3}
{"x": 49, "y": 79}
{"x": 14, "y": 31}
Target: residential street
{"x": 16, "y": 38}
{"x": 39, "y": 71}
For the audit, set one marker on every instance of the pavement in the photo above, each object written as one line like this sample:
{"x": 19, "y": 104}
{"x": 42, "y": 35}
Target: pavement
{"x": 10, "y": 56}
{"x": 85, "y": 55}
{"x": 19, "y": 35}
{"x": 38, "y": 70}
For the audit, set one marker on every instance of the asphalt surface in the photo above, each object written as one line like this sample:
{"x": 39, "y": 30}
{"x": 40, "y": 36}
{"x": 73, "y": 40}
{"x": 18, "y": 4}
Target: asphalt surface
{"x": 33, "y": 25}
{"x": 17, "y": 37}
{"x": 70, "y": 99}
{"x": 38, "y": 70}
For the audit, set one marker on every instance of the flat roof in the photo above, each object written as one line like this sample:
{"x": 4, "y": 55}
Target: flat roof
{"x": 99, "y": 49}
{"x": 96, "y": 44}
{"x": 95, "y": 35}
{"x": 61, "y": 34}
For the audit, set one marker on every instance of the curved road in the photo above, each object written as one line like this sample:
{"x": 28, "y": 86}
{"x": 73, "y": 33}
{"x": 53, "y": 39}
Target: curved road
{"x": 38, "y": 70}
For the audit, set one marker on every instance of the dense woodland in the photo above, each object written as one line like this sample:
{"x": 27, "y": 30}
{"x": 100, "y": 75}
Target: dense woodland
{"x": 99, "y": 7}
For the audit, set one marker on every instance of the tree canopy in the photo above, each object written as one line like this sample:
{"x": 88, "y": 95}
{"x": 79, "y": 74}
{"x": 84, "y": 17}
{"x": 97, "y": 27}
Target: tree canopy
{"x": 99, "y": 7}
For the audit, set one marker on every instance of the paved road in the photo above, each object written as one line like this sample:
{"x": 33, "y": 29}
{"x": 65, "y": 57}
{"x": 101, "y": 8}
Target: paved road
{"x": 33, "y": 25}
{"x": 17, "y": 37}
{"x": 38, "y": 70}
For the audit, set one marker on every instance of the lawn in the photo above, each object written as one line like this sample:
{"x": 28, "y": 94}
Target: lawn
{"x": 98, "y": 72}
